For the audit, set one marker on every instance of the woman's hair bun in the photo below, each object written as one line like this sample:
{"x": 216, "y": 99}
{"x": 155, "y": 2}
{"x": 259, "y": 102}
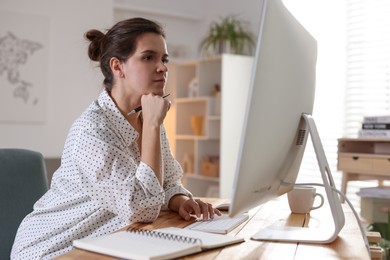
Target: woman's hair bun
{"x": 95, "y": 46}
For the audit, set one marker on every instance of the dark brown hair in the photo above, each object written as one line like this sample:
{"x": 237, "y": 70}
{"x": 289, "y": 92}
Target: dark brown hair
{"x": 120, "y": 41}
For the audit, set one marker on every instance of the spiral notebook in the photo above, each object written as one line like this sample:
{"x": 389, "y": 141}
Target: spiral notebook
{"x": 164, "y": 243}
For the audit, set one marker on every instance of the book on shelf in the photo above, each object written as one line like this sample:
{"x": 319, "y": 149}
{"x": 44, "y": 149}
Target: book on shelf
{"x": 376, "y": 126}
{"x": 376, "y": 119}
{"x": 164, "y": 243}
{"x": 374, "y": 133}
{"x": 375, "y": 192}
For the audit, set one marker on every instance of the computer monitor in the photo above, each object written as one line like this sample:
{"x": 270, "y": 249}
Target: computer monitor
{"x": 277, "y": 121}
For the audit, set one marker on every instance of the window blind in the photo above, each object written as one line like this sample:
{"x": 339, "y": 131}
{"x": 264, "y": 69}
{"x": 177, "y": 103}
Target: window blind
{"x": 361, "y": 28}
{"x": 368, "y": 62}
{"x": 327, "y": 113}
{"x": 367, "y": 86}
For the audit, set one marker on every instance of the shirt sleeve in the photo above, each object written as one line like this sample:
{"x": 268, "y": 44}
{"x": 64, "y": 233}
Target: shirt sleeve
{"x": 173, "y": 172}
{"x": 112, "y": 177}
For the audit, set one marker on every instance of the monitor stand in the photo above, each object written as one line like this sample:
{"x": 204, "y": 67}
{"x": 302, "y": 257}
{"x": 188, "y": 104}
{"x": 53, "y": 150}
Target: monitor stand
{"x": 309, "y": 234}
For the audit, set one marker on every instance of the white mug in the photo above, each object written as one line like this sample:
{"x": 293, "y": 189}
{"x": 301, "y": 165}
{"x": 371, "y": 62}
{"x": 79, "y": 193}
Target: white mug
{"x": 301, "y": 199}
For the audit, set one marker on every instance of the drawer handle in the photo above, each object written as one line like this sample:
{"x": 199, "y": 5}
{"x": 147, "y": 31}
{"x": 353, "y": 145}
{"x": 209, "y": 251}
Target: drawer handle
{"x": 356, "y": 158}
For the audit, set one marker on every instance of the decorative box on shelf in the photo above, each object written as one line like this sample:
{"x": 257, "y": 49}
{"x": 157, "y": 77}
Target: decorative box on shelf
{"x": 210, "y": 166}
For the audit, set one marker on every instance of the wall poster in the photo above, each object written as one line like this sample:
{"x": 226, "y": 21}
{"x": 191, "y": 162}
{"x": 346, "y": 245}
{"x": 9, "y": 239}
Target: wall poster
{"x": 24, "y": 66}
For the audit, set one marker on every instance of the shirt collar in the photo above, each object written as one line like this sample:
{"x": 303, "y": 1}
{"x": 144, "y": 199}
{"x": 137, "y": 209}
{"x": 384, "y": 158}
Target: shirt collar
{"x": 116, "y": 118}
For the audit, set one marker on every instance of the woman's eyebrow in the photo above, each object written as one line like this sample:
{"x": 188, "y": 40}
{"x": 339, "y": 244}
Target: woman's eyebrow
{"x": 153, "y": 52}
{"x": 148, "y": 51}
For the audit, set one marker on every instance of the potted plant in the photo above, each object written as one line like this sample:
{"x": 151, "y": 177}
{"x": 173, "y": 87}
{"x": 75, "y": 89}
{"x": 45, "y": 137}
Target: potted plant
{"x": 227, "y": 35}
{"x": 384, "y": 229}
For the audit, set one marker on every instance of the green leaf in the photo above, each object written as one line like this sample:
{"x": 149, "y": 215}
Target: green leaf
{"x": 229, "y": 31}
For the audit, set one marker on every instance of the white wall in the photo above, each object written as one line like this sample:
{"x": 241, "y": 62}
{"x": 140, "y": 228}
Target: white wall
{"x": 187, "y": 22}
{"x": 72, "y": 82}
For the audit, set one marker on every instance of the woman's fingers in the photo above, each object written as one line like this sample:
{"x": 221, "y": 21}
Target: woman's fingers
{"x": 198, "y": 208}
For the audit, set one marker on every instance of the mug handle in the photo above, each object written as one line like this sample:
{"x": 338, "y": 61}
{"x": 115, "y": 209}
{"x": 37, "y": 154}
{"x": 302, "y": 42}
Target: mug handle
{"x": 322, "y": 201}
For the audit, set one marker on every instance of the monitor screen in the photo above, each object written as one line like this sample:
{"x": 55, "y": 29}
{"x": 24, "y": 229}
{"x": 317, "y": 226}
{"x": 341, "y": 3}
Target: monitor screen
{"x": 282, "y": 88}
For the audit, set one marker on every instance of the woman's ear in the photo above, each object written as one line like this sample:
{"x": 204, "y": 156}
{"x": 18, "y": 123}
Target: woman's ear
{"x": 116, "y": 67}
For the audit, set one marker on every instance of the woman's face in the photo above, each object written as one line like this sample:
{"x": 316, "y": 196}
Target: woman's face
{"x": 146, "y": 70}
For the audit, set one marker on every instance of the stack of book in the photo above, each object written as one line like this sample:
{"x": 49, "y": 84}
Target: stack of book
{"x": 375, "y": 126}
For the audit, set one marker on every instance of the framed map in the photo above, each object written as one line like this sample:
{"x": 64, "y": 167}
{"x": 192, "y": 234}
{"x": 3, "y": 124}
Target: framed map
{"x": 24, "y": 66}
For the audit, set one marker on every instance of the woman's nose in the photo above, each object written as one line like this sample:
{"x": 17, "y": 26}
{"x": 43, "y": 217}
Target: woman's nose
{"x": 162, "y": 67}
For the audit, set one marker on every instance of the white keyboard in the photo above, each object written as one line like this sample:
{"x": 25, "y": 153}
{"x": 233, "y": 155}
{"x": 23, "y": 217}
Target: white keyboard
{"x": 220, "y": 224}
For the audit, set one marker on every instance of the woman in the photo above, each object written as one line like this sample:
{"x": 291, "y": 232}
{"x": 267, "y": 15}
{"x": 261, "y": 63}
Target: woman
{"x": 116, "y": 168}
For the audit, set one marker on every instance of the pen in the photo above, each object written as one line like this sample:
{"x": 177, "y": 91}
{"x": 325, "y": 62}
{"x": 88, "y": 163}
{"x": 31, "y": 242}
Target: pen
{"x": 140, "y": 107}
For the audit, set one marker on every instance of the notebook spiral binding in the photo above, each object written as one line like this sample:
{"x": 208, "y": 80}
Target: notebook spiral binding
{"x": 154, "y": 233}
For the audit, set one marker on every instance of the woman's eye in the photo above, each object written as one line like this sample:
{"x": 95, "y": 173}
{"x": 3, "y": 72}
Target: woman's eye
{"x": 165, "y": 60}
{"x": 148, "y": 58}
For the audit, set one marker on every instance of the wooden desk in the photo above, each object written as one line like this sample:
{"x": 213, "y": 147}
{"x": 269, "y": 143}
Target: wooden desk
{"x": 349, "y": 244}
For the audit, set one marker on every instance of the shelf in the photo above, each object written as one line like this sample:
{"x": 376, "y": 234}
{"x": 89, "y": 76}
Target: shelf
{"x": 205, "y": 110}
{"x": 364, "y": 146}
{"x": 184, "y": 100}
{"x": 214, "y": 118}
{"x": 201, "y": 177}
{"x": 194, "y": 137}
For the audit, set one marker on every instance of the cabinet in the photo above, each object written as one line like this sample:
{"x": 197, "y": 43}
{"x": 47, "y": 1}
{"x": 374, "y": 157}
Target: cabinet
{"x": 363, "y": 159}
{"x": 198, "y": 88}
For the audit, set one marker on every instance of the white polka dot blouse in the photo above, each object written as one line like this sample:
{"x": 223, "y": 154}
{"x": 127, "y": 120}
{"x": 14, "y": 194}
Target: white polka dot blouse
{"x": 101, "y": 186}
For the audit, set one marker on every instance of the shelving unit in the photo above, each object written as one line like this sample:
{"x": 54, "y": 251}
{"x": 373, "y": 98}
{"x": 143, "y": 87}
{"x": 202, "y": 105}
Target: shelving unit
{"x": 199, "y": 153}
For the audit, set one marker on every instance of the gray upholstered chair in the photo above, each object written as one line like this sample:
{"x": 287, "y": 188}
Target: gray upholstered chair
{"x": 23, "y": 181}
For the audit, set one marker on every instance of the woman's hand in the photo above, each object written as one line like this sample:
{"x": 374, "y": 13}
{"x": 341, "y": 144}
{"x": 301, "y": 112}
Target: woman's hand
{"x": 198, "y": 208}
{"x": 154, "y": 109}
